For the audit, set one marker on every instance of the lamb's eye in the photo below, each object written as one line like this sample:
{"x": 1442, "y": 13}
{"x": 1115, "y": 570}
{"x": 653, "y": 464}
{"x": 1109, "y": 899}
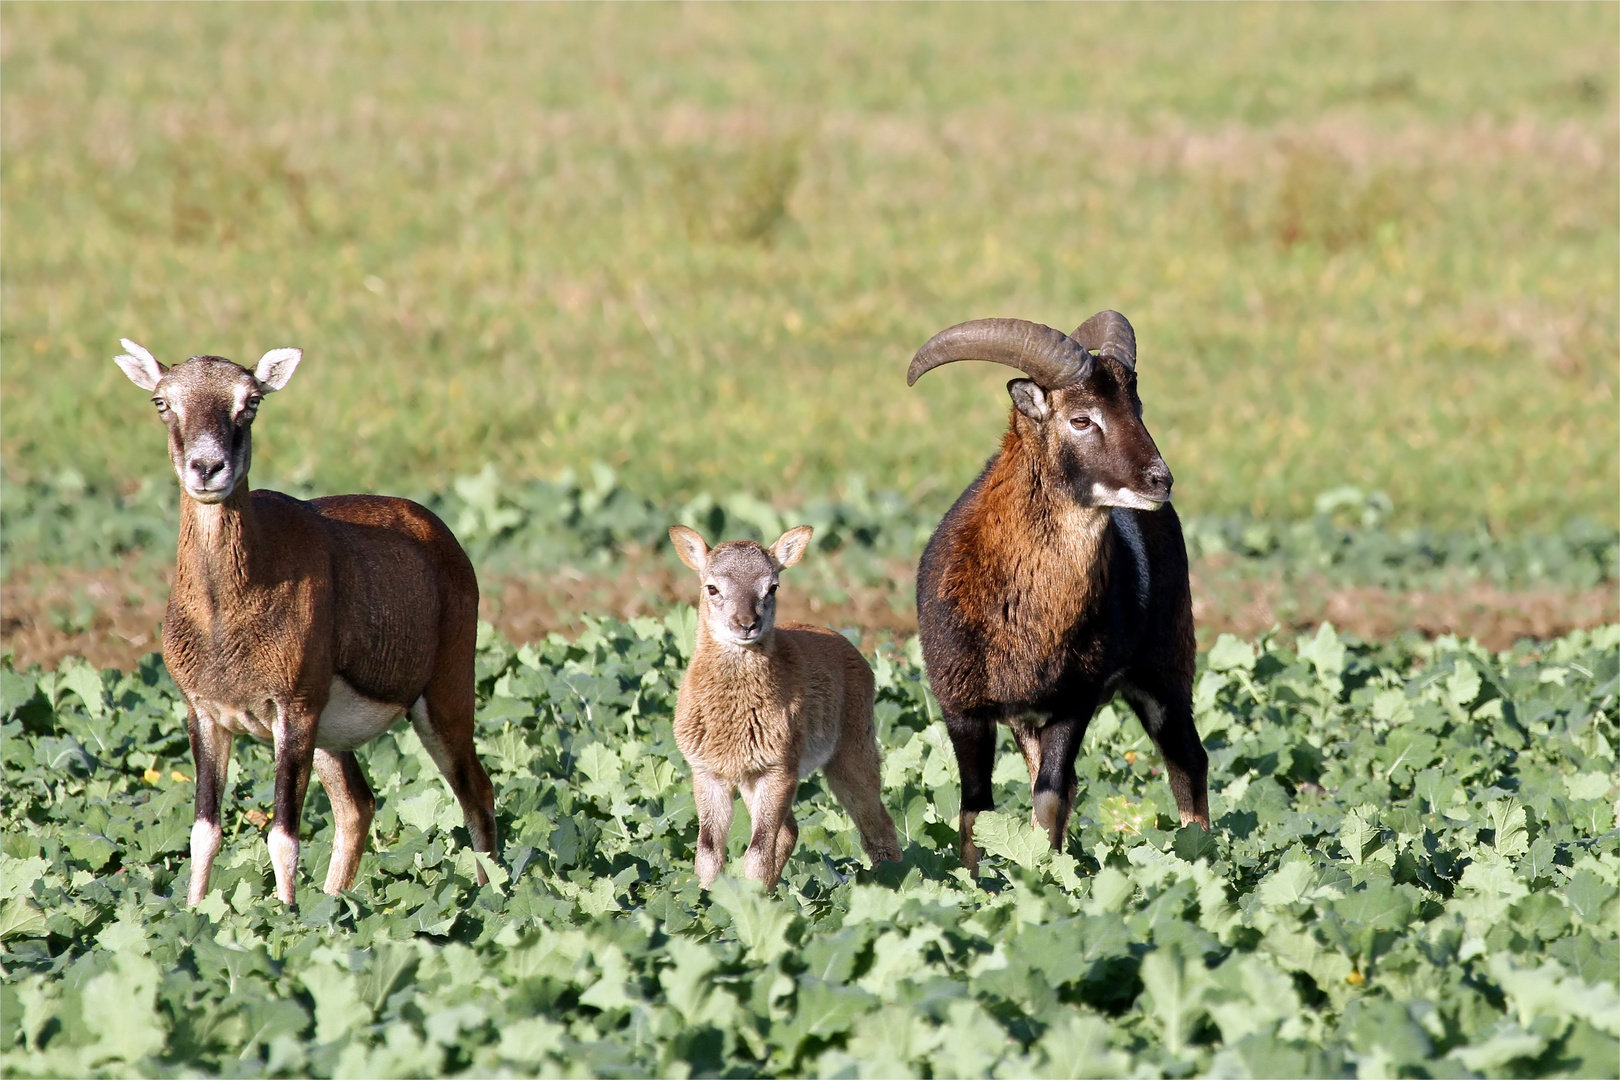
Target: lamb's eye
{"x": 162, "y": 406}
{"x": 1081, "y": 422}
{"x": 712, "y": 590}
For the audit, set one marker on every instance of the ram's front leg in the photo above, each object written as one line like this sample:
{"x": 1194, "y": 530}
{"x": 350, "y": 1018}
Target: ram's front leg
{"x": 211, "y": 755}
{"x": 294, "y": 736}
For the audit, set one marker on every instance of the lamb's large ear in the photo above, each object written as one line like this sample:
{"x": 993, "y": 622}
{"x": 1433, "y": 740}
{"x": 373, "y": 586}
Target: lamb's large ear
{"x": 141, "y": 366}
{"x": 276, "y": 367}
{"x": 690, "y": 547}
{"x": 790, "y": 546}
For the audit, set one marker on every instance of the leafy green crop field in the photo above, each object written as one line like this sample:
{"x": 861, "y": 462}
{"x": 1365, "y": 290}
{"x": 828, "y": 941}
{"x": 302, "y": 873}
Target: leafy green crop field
{"x": 1414, "y": 872}
{"x": 1362, "y": 244}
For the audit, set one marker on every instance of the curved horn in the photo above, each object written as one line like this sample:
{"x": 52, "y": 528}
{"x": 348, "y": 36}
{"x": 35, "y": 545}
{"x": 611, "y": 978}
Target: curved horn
{"x": 1046, "y": 355}
{"x": 1109, "y": 333}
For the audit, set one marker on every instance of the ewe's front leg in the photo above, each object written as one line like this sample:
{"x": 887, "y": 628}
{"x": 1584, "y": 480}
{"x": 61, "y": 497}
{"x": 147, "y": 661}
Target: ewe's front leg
{"x": 211, "y": 754}
{"x": 294, "y": 737}
{"x": 714, "y": 799}
{"x": 770, "y": 805}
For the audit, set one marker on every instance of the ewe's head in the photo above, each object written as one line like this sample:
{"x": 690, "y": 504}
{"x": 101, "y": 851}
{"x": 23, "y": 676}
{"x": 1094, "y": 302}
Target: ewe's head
{"x": 1081, "y": 410}
{"x": 208, "y": 404}
{"x": 739, "y": 578}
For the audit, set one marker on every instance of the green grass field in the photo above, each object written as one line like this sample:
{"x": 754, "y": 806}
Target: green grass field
{"x": 1372, "y": 245}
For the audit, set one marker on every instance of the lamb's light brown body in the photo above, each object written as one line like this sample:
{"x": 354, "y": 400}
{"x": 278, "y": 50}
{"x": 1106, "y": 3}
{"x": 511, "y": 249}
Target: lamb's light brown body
{"x": 762, "y": 714}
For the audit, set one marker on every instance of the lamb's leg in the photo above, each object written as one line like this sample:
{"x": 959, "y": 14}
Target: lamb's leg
{"x": 1028, "y": 735}
{"x": 856, "y": 778}
{"x": 770, "y": 805}
{"x": 211, "y": 754}
{"x": 353, "y": 806}
{"x": 714, "y": 798}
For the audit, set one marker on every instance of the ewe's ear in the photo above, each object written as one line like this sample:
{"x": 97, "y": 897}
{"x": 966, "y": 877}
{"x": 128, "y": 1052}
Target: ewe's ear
{"x": 790, "y": 546}
{"x": 276, "y": 367}
{"x": 141, "y": 366}
{"x": 690, "y": 547}
{"x": 1030, "y": 399}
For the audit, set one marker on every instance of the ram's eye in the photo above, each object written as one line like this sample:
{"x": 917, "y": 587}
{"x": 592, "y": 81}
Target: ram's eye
{"x": 1081, "y": 422}
{"x": 772, "y": 590}
{"x": 712, "y": 590}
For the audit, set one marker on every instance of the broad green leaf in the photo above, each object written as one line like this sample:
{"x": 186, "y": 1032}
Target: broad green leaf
{"x": 1011, "y": 838}
{"x": 1177, "y": 989}
{"x": 762, "y": 924}
{"x": 1231, "y": 654}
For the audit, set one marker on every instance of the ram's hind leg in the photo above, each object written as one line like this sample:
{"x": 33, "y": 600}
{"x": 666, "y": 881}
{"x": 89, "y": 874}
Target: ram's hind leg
{"x": 353, "y": 806}
{"x": 974, "y": 740}
{"x": 1055, "y": 783}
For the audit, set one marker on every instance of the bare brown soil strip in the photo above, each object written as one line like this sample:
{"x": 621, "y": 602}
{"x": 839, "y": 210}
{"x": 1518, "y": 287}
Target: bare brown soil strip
{"x": 112, "y": 616}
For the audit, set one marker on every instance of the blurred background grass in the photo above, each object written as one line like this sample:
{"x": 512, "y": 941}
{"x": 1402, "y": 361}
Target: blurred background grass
{"x": 1369, "y": 244}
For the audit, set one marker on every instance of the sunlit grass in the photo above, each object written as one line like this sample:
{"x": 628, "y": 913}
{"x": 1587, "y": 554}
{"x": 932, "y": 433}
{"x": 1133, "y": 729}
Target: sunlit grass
{"x": 1368, "y": 245}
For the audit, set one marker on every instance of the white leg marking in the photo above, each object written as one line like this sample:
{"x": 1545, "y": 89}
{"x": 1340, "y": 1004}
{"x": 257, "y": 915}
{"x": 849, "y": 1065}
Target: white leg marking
{"x": 284, "y": 858}
{"x": 205, "y": 838}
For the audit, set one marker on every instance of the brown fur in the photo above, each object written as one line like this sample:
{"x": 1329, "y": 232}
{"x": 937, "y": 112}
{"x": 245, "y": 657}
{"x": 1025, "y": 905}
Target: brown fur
{"x": 763, "y": 715}
{"x": 311, "y": 625}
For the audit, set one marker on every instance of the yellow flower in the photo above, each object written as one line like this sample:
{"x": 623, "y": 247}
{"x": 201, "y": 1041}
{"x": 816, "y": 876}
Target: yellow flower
{"x": 152, "y": 776}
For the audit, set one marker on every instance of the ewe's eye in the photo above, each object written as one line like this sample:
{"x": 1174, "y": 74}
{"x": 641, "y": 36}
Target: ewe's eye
{"x": 1081, "y": 422}
{"x": 712, "y": 590}
{"x": 162, "y": 406}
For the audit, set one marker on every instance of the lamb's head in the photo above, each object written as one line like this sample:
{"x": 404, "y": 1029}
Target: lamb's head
{"x": 208, "y": 403}
{"x": 1080, "y": 409}
{"x": 738, "y": 603}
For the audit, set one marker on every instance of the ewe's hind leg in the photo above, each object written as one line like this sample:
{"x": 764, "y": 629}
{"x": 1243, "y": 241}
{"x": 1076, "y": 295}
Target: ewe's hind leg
{"x": 1167, "y": 717}
{"x": 856, "y": 778}
{"x": 714, "y": 798}
{"x": 353, "y": 805}
{"x": 443, "y": 719}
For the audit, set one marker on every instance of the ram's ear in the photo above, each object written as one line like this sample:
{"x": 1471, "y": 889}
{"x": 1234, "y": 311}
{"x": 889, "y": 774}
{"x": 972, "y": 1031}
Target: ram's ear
{"x": 790, "y": 546}
{"x": 276, "y": 368}
{"x": 141, "y": 366}
{"x": 1029, "y": 399}
{"x": 690, "y": 547}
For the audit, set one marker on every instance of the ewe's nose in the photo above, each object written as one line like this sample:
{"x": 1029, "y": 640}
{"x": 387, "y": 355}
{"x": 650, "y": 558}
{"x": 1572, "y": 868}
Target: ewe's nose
{"x": 206, "y": 468}
{"x": 1156, "y": 478}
